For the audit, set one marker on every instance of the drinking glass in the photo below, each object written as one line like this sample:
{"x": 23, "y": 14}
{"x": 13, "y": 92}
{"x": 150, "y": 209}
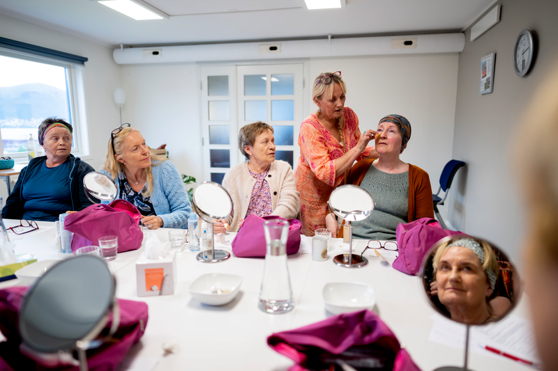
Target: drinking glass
{"x": 276, "y": 295}
{"x": 109, "y": 247}
{"x": 89, "y": 250}
{"x": 177, "y": 239}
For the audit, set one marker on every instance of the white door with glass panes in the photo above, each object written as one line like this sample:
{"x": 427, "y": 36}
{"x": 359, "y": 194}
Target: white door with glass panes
{"x": 273, "y": 94}
{"x": 219, "y": 121}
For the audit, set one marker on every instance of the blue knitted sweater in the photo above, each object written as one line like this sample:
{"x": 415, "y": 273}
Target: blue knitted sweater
{"x": 169, "y": 197}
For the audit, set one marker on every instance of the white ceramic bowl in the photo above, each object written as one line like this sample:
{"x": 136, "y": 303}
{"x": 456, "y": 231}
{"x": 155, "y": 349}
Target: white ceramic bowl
{"x": 30, "y": 273}
{"x": 215, "y": 288}
{"x": 344, "y": 297}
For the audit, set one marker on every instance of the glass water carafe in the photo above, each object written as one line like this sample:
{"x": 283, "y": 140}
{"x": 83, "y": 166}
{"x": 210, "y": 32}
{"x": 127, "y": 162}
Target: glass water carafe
{"x": 276, "y": 295}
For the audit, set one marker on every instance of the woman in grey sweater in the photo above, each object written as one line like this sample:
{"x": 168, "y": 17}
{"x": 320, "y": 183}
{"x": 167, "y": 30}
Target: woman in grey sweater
{"x": 261, "y": 185}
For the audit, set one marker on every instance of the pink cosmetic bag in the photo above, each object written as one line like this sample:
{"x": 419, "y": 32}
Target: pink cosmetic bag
{"x": 249, "y": 242}
{"x": 360, "y": 339}
{"x": 133, "y": 320}
{"x": 120, "y": 218}
{"x": 414, "y": 239}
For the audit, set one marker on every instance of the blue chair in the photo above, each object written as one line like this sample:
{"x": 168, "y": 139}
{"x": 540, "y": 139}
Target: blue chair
{"x": 445, "y": 183}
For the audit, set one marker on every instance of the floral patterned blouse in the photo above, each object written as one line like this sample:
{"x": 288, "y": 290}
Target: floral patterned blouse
{"x": 143, "y": 203}
{"x": 260, "y": 200}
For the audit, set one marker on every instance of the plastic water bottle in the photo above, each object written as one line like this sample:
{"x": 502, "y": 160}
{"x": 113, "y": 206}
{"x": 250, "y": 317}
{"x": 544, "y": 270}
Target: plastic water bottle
{"x": 65, "y": 236}
{"x": 193, "y": 236}
{"x": 31, "y": 147}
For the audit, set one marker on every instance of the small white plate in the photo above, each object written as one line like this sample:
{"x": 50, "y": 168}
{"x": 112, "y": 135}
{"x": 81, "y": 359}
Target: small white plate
{"x": 215, "y": 288}
{"x": 30, "y": 273}
{"x": 345, "y": 297}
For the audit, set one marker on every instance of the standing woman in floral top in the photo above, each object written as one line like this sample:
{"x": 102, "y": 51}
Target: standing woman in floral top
{"x": 330, "y": 142}
{"x": 261, "y": 185}
{"x": 151, "y": 184}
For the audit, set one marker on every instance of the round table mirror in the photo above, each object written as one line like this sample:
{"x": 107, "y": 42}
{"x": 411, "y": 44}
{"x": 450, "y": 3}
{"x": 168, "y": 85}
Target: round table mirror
{"x": 68, "y": 306}
{"x": 99, "y": 186}
{"x": 352, "y": 204}
{"x": 470, "y": 281}
{"x": 212, "y": 202}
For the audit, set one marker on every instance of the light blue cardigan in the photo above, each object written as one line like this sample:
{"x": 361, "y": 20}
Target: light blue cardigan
{"x": 169, "y": 197}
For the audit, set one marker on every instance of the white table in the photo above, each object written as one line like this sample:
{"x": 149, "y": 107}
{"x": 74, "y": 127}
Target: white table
{"x": 233, "y": 337}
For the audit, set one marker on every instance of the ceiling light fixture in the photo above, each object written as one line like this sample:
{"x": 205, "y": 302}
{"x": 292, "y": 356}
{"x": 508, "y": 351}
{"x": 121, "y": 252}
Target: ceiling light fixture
{"x": 137, "y": 10}
{"x": 324, "y": 4}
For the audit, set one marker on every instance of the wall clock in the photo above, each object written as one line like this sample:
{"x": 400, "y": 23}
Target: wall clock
{"x": 523, "y": 53}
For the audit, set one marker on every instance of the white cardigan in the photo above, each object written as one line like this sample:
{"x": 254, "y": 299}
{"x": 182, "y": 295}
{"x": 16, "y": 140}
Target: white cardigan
{"x": 285, "y": 199}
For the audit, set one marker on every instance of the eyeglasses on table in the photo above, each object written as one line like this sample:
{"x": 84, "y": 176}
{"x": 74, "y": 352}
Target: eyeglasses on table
{"x": 376, "y": 245}
{"x": 25, "y": 226}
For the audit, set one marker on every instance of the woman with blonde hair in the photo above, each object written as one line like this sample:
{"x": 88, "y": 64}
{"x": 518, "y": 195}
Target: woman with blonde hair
{"x": 330, "y": 142}
{"x": 152, "y": 184}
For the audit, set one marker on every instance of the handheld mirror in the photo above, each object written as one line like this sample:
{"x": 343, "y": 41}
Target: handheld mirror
{"x": 470, "y": 281}
{"x": 99, "y": 186}
{"x": 352, "y": 204}
{"x": 211, "y": 202}
{"x": 68, "y": 307}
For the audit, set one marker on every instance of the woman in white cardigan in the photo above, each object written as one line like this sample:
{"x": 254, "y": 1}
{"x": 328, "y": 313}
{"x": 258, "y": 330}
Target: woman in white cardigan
{"x": 261, "y": 185}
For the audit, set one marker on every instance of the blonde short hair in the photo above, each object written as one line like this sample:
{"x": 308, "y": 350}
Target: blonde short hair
{"x": 248, "y": 134}
{"x": 490, "y": 261}
{"x": 320, "y": 87}
{"x": 115, "y": 167}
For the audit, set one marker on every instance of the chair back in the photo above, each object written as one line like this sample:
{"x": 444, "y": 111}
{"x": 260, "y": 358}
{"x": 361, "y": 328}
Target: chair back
{"x": 449, "y": 172}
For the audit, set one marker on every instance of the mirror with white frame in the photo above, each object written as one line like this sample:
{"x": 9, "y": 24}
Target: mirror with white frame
{"x": 212, "y": 202}
{"x": 99, "y": 186}
{"x": 352, "y": 204}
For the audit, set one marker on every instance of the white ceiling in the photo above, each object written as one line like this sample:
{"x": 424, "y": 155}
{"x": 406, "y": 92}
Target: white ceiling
{"x": 234, "y": 20}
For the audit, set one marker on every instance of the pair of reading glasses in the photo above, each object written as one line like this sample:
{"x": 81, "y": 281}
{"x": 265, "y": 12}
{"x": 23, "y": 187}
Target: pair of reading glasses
{"x": 25, "y": 226}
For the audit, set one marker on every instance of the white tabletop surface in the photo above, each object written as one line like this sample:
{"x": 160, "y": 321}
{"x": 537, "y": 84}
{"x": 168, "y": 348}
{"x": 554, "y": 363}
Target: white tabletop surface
{"x": 233, "y": 336}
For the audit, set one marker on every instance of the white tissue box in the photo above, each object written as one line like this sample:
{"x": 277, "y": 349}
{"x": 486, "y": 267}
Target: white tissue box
{"x": 156, "y": 277}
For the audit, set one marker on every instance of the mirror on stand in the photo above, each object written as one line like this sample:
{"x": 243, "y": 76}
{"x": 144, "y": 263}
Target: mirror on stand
{"x": 99, "y": 186}
{"x": 352, "y": 204}
{"x": 212, "y": 202}
{"x": 470, "y": 281}
{"x": 66, "y": 309}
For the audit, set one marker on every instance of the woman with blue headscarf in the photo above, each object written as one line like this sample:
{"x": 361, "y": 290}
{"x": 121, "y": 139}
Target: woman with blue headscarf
{"x": 401, "y": 191}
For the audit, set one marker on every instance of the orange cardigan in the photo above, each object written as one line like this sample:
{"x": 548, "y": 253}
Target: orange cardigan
{"x": 420, "y": 190}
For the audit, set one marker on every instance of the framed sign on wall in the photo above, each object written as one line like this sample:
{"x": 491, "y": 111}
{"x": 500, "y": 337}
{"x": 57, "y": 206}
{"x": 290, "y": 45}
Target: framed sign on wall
{"x": 487, "y": 73}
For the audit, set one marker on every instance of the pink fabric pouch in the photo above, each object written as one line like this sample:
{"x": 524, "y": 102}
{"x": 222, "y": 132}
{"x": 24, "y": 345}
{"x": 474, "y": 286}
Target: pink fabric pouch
{"x": 249, "y": 242}
{"x": 360, "y": 339}
{"x": 101, "y": 220}
{"x": 414, "y": 239}
{"x": 133, "y": 320}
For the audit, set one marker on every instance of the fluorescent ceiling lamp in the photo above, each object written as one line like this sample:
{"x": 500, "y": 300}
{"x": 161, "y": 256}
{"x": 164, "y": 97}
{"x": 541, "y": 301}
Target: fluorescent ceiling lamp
{"x": 131, "y": 9}
{"x": 274, "y": 79}
{"x": 322, "y": 4}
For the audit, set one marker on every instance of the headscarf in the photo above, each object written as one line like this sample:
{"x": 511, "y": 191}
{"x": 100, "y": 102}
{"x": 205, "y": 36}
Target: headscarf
{"x": 475, "y": 247}
{"x": 402, "y": 123}
{"x": 46, "y": 129}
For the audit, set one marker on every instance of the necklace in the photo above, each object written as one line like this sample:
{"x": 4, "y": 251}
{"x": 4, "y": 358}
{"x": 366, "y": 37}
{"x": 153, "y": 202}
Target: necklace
{"x": 340, "y": 128}
{"x": 134, "y": 179}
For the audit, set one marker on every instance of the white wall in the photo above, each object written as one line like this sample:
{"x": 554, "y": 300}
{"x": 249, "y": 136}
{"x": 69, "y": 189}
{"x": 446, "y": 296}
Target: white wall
{"x": 162, "y": 101}
{"x": 422, "y": 88}
{"x": 101, "y": 76}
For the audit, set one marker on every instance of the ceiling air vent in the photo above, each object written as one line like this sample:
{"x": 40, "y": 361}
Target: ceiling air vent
{"x": 152, "y": 53}
{"x": 270, "y": 48}
{"x": 406, "y": 43}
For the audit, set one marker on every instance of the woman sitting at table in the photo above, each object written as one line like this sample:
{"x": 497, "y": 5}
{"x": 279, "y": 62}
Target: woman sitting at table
{"x": 466, "y": 271}
{"x": 152, "y": 185}
{"x": 401, "y": 191}
{"x": 261, "y": 185}
{"x": 53, "y": 184}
